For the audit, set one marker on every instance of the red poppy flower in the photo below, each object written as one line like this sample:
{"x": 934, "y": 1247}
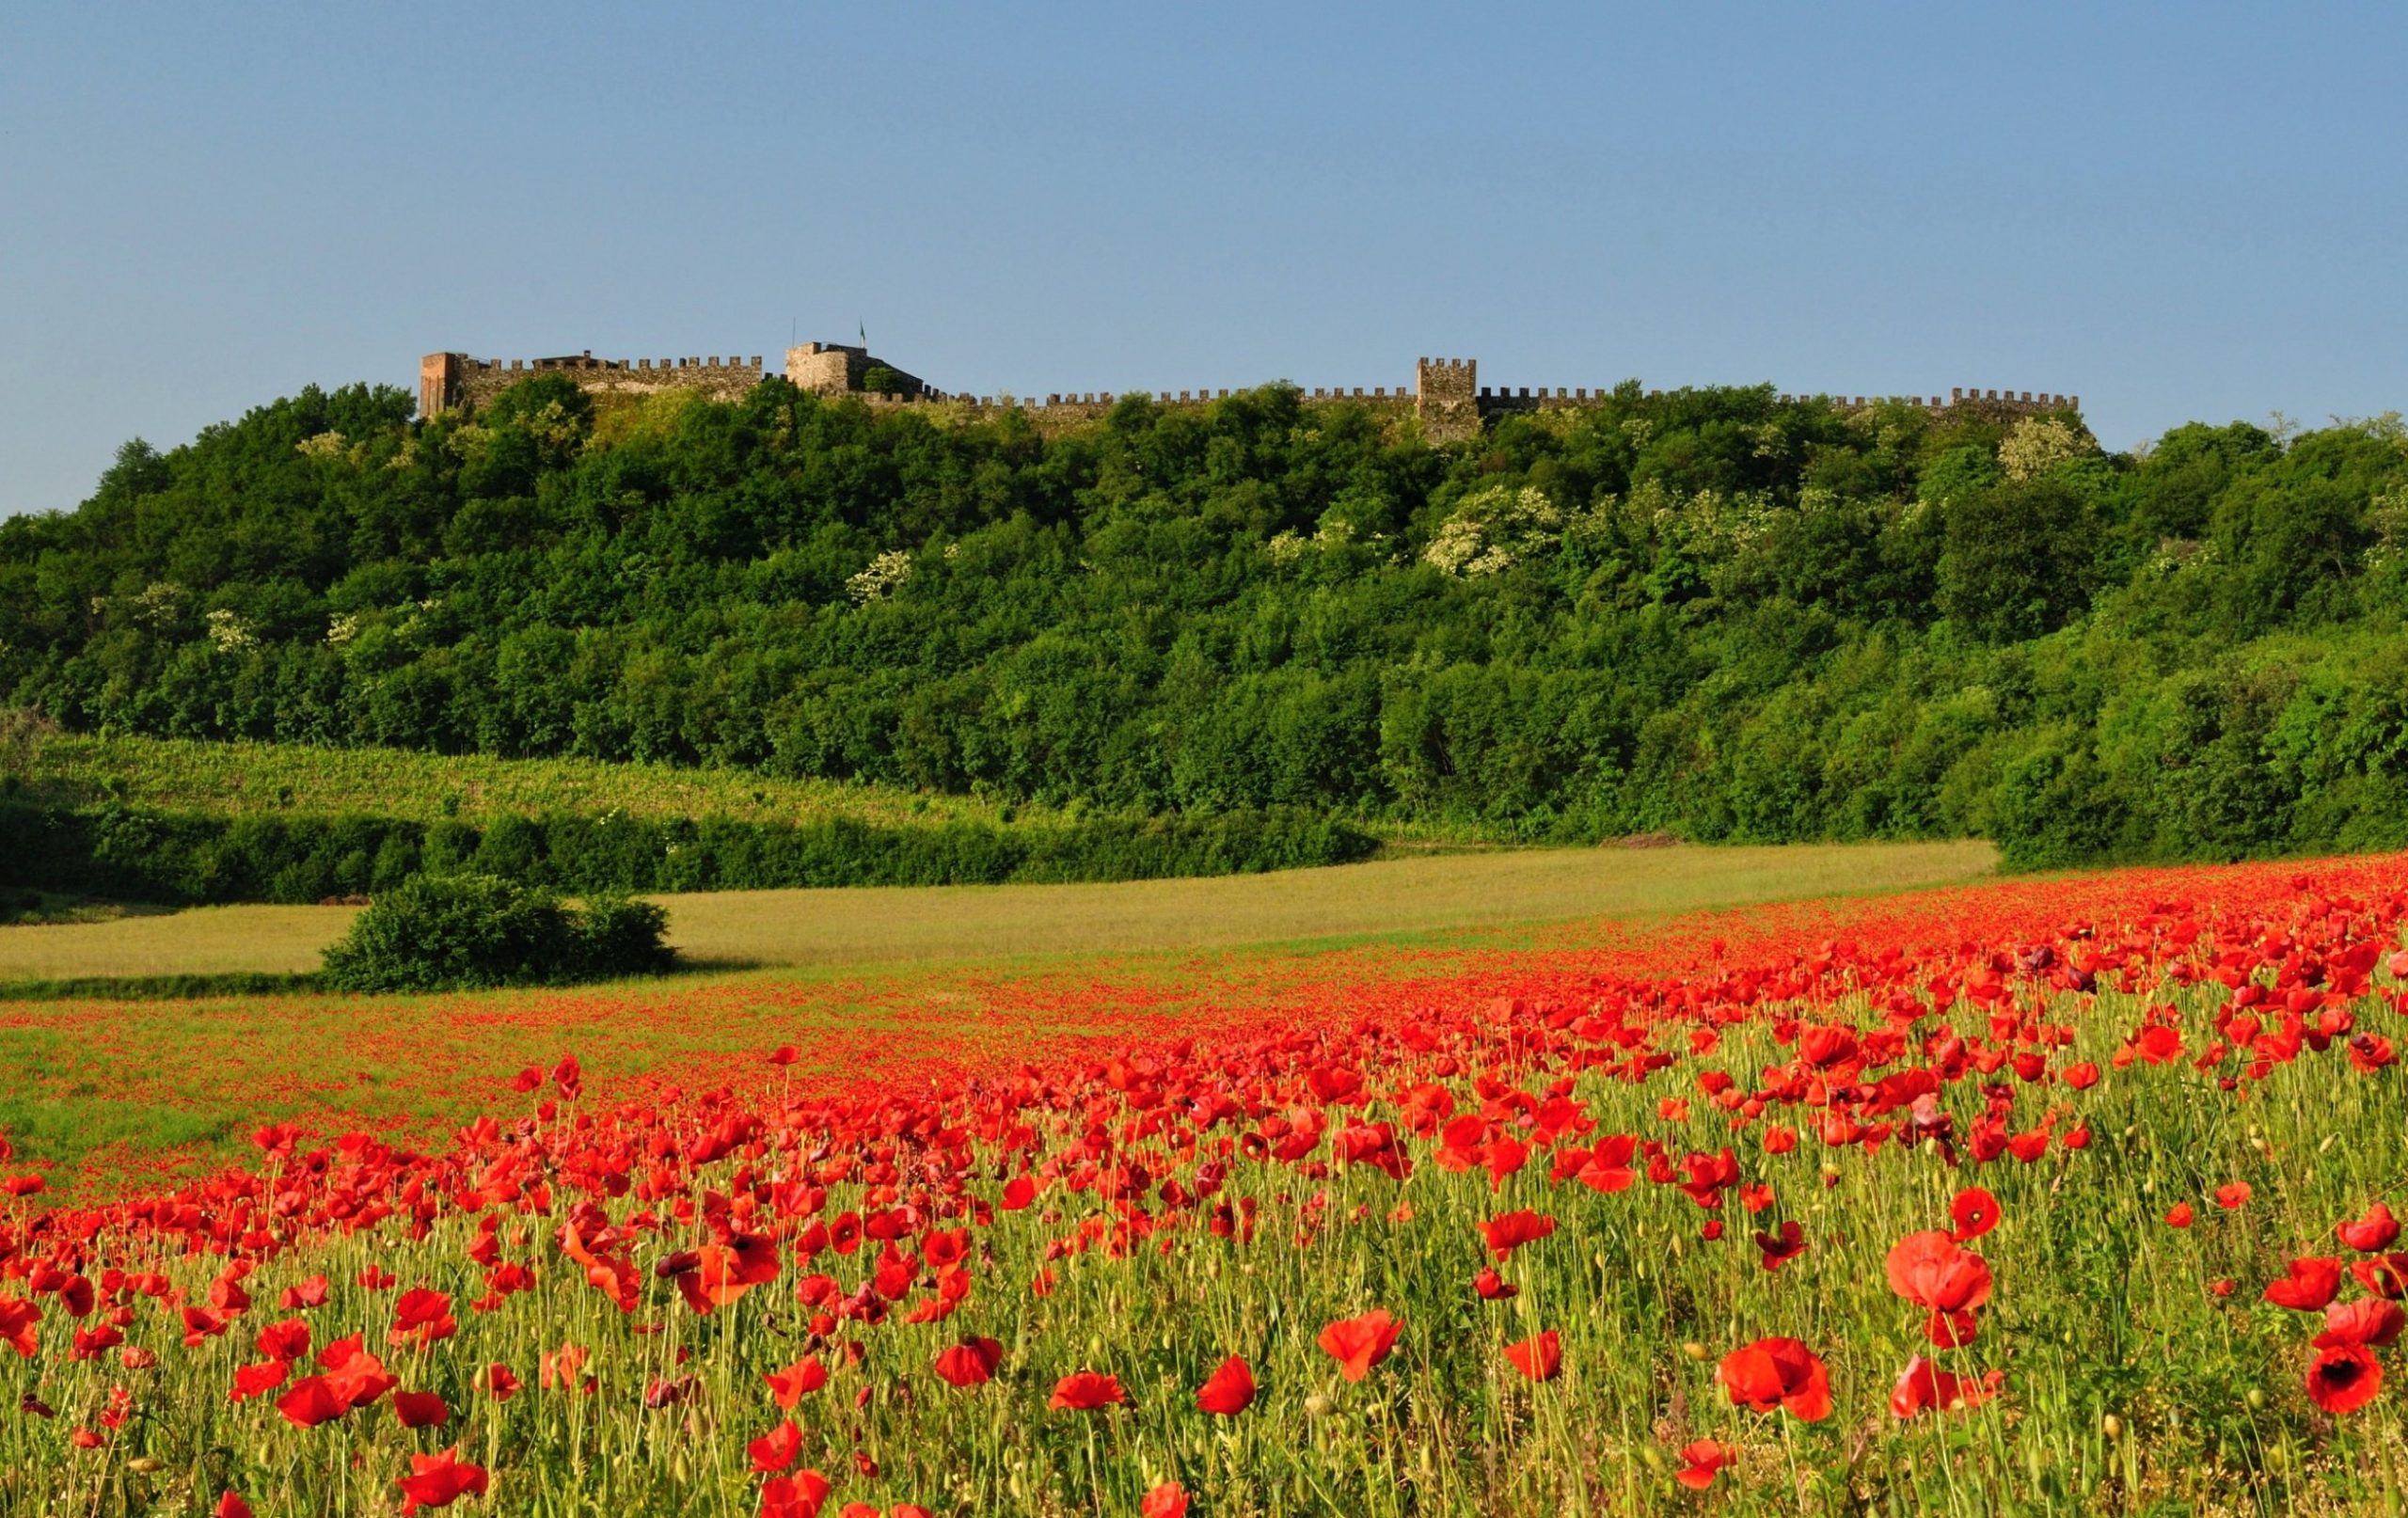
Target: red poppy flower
{"x": 310, "y": 1401}
{"x": 1358, "y": 1344}
{"x": 799, "y": 1495}
{"x": 1017, "y": 1193}
{"x": 2369, "y": 1321}
{"x": 1925, "y": 1386}
{"x": 437, "y": 1481}
{"x": 2344, "y": 1377}
{"x": 1974, "y": 1212}
{"x": 1705, "y": 1459}
{"x": 776, "y": 1449}
{"x": 421, "y": 1410}
{"x": 1779, "y": 1251}
{"x": 421, "y": 1317}
{"x": 1930, "y": 1270}
{"x": 230, "y": 1506}
{"x": 2371, "y": 1233}
{"x": 1513, "y": 1230}
{"x": 359, "y": 1378}
{"x": 500, "y": 1381}
{"x": 559, "y": 1366}
{"x": 1491, "y": 1286}
{"x": 257, "y": 1380}
{"x": 804, "y": 1376}
{"x": 1778, "y": 1373}
{"x": 1169, "y": 1500}
{"x": 970, "y": 1363}
{"x": 1083, "y": 1391}
{"x": 2179, "y": 1215}
{"x": 2310, "y": 1285}
{"x": 287, "y": 1340}
{"x": 17, "y": 1317}
{"x": 2233, "y": 1194}
{"x": 2385, "y": 1275}
{"x": 309, "y": 1294}
{"x": 1539, "y": 1357}
{"x": 1228, "y": 1391}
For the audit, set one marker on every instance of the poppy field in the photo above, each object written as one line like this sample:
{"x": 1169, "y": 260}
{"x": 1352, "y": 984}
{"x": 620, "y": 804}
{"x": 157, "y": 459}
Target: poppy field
{"x": 2064, "y": 1195}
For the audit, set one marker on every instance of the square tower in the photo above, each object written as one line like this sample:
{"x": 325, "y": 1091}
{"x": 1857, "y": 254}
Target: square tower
{"x": 1447, "y": 398}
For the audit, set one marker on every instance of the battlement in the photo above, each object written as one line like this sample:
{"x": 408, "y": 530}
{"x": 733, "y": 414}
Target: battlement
{"x": 449, "y": 381}
{"x": 1447, "y": 398}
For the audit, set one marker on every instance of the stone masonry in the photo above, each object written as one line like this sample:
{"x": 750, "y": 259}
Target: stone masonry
{"x": 451, "y": 381}
{"x": 1446, "y": 399}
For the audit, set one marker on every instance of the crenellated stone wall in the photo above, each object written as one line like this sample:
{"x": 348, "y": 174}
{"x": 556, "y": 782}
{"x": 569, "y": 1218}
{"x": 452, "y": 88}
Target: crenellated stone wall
{"x": 1446, "y": 398}
{"x": 449, "y": 380}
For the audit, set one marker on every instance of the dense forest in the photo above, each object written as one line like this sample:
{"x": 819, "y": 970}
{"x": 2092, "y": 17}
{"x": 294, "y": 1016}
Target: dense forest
{"x": 1712, "y": 612}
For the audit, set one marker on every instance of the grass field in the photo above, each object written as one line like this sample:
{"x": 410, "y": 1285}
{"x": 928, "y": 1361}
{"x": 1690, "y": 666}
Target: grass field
{"x": 1428, "y": 894}
{"x": 846, "y": 973}
{"x": 2017, "y": 1197}
{"x": 73, "y": 769}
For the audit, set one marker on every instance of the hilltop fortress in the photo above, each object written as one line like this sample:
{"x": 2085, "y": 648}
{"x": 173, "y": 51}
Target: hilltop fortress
{"x": 1447, "y": 397}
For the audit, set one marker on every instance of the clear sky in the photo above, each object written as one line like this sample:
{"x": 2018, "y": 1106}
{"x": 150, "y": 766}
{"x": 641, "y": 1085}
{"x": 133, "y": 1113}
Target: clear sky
{"x": 2177, "y": 212}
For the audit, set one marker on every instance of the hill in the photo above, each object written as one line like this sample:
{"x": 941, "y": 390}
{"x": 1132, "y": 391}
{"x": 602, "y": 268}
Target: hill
{"x": 1714, "y": 612}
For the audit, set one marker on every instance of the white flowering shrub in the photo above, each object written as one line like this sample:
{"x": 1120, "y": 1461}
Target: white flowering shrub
{"x": 229, "y": 632}
{"x": 1492, "y": 529}
{"x": 2040, "y": 444}
{"x": 885, "y": 572}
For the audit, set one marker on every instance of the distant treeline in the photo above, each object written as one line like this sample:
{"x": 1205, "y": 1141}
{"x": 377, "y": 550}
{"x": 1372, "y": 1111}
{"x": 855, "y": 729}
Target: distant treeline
{"x": 178, "y": 858}
{"x": 1712, "y": 612}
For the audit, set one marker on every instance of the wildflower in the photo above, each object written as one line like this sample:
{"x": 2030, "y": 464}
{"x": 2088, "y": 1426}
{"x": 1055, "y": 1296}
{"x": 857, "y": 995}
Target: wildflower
{"x": 1539, "y": 1357}
{"x": 789, "y": 1386}
{"x": 421, "y": 1410}
{"x": 776, "y": 1449}
{"x": 1083, "y": 1391}
{"x": 2344, "y": 1377}
{"x": 2308, "y": 1286}
{"x": 970, "y": 1363}
{"x": 1925, "y": 1386}
{"x": 2373, "y": 1232}
{"x": 1229, "y": 1390}
{"x": 1358, "y": 1344}
{"x": 1974, "y": 1212}
{"x": 438, "y": 1480}
{"x": 1778, "y": 1373}
{"x": 1513, "y": 1230}
{"x": 1705, "y": 1459}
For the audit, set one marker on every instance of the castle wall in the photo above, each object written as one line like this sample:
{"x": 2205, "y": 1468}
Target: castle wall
{"x": 840, "y": 369}
{"x": 451, "y": 381}
{"x": 1446, "y": 398}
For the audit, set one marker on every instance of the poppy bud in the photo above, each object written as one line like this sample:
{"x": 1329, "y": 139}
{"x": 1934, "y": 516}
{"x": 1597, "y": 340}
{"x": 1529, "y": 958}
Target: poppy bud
{"x": 2112, "y": 1426}
{"x": 1695, "y": 1350}
{"x": 1317, "y": 1405}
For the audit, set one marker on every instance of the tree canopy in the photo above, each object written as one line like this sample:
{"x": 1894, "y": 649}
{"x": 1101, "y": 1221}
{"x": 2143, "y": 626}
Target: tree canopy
{"x": 1711, "y": 612}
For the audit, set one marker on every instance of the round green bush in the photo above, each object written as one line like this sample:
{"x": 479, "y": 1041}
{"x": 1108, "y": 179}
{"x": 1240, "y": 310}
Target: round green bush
{"x": 465, "y": 932}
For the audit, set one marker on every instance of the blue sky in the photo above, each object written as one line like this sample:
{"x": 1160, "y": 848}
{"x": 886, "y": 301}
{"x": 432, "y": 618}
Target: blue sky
{"x": 2177, "y": 212}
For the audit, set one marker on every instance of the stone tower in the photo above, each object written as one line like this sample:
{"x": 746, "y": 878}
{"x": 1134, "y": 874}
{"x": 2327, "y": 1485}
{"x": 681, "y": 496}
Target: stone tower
{"x": 1447, "y": 398}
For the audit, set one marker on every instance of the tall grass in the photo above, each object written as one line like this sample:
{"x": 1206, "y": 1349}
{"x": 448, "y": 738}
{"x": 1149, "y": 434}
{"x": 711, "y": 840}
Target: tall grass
{"x": 2131, "y": 1384}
